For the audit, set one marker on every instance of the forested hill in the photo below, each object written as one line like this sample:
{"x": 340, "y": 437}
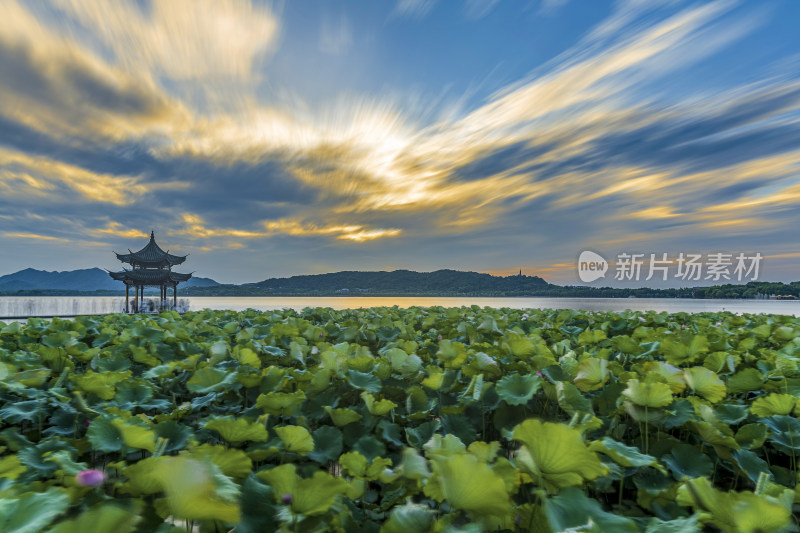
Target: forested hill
{"x": 397, "y": 282}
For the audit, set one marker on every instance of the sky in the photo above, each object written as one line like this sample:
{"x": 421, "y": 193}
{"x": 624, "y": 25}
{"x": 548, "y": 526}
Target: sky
{"x": 268, "y": 139}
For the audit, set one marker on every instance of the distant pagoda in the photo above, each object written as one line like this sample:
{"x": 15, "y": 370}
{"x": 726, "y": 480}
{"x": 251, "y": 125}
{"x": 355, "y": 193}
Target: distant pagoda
{"x": 150, "y": 267}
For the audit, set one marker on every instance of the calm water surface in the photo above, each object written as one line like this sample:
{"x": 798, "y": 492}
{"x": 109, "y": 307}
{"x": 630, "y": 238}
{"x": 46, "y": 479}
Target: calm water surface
{"x": 67, "y": 305}
{"x": 670, "y": 305}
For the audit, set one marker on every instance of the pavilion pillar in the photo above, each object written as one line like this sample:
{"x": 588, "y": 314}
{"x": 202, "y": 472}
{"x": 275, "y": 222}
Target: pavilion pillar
{"x": 175, "y": 296}
{"x": 136, "y": 299}
{"x": 127, "y": 288}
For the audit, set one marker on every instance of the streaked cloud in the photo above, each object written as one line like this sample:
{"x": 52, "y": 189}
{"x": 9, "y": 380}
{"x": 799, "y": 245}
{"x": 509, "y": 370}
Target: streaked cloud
{"x": 22, "y": 175}
{"x": 168, "y": 114}
{"x": 181, "y": 39}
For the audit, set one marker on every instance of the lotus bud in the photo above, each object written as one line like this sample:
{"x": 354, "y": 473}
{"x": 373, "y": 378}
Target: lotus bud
{"x": 90, "y": 478}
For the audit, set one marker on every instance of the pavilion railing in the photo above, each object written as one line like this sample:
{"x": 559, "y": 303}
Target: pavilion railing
{"x": 155, "y": 305}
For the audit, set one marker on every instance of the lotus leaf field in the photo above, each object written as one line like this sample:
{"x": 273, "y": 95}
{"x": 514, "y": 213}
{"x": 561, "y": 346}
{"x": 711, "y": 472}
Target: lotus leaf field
{"x": 400, "y": 420}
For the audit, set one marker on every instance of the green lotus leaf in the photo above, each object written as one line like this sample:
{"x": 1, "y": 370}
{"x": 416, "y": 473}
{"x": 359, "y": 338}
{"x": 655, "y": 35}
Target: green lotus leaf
{"x": 327, "y": 444}
{"x": 280, "y": 403}
{"x": 435, "y": 378}
{"x": 773, "y": 404}
{"x": 418, "y": 436}
{"x": 176, "y": 435}
{"x": 518, "y": 389}
{"x": 519, "y": 345}
{"x": 102, "y": 518}
{"x": 460, "y": 426}
{"x": 623, "y": 455}
{"x": 444, "y": 446}
{"x": 209, "y": 379}
{"x": 363, "y": 381}
{"x": 751, "y": 464}
{"x": 192, "y": 490}
{"x": 706, "y": 383}
{"x": 572, "y": 510}
{"x": 685, "y": 460}
{"x": 472, "y": 486}
{"x": 217, "y": 352}
{"x": 785, "y": 432}
{"x": 101, "y": 384}
{"x": 377, "y": 407}
{"x": 141, "y": 480}
{"x": 354, "y": 464}
{"x": 238, "y": 430}
{"x": 684, "y": 351}
{"x": 11, "y": 468}
{"x": 715, "y": 434}
{"x": 590, "y": 337}
{"x": 296, "y": 439}
{"x": 342, "y": 417}
{"x": 33, "y": 378}
{"x": 752, "y": 436}
{"x": 648, "y": 394}
{"x": 731, "y": 414}
{"x": 672, "y": 375}
{"x": 592, "y": 374}
{"x": 735, "y": 512}
{"x": 104, "y": 436}
{"x": 749, "y": 379}
{"x": 246, "y": 356}
{"x": 143, "y": 355}
{"x": 31, "y": 512}
{"x": 18, "y": 411}
{"x": 485, "y": 451}
{"x": 259, "y": 512}
{"x": 231, "y": 461}
{"x": 571, "y": 400}
{"x": 555, "y": 456}
{"x": 409, "y": 518}
{"x": 309, "y": 496}
{"x": 135, "y": 436}
{"x": 453, "y": 354}
{"x": 414, "y": 466}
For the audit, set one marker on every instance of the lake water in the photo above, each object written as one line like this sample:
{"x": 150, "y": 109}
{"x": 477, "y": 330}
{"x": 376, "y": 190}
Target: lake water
{"x": 14, "y": 306}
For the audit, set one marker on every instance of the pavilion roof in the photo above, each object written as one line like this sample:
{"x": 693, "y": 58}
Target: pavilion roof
{"x": 151, "y": 254}
{"x": 141, "y": 276}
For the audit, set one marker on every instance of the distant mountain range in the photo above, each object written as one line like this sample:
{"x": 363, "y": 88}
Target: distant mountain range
{"x": 85, "y": 280}
{"x": 441, "y": 283}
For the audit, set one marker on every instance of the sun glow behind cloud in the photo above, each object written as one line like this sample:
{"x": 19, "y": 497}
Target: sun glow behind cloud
{"x": 180, "y": 98}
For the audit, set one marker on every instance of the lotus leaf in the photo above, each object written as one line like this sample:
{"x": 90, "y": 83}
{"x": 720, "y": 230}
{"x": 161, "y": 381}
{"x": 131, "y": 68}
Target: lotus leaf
{"x": 309, "y": 496}
{"x": 742, "y": 512}
{"x": 296, "y": 439}
{"x": 472, "y": 486}
{"x": 773, "y": 404}
{"x": 555, "y": 455}
{"x": 192, "y": 490}
{"x": 648, "y": 394}
{"x": 238, "y": 430}
{"x": 706, "y": 383}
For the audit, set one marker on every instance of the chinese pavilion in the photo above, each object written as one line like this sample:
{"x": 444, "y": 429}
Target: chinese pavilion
{"x": 150, "y": 267}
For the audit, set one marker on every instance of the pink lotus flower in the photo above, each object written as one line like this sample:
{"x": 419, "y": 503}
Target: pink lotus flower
{"x": 439, "y": 336}
{"x": 286, "y": 499}
{"x": 90, "y": 478}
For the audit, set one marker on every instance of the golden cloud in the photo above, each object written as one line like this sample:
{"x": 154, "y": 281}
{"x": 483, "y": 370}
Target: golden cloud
{"x": 43, "y": 176}
{"x": 195, "y": 227}
{"x": 54, "y": 85}
{"x": 181, "y": 39}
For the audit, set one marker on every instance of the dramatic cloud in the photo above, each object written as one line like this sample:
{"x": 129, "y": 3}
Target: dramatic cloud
{"x": 167, "y": 114}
